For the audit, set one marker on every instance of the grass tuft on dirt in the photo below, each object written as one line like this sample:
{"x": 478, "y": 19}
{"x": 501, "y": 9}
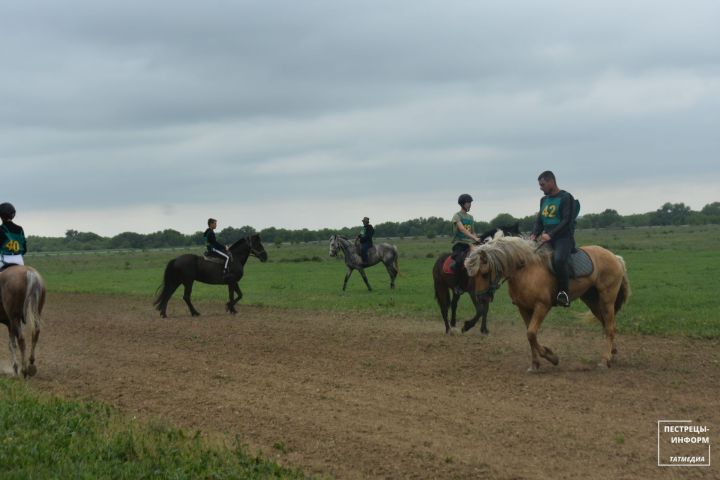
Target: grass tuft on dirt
{"x": 45, "y": 437}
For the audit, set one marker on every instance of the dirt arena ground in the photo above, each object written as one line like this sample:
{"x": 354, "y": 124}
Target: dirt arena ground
{"x": 356, "y": 396}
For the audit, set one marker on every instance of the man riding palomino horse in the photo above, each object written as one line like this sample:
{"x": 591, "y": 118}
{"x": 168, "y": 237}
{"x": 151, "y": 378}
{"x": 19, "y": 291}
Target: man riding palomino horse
{"x": 12, "y": 238}
{"x": 555, "y": 225}
{"x": 365, "y": 240}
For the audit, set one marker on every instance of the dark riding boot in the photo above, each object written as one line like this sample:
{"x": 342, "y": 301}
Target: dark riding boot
{"x": 456, "y": 267}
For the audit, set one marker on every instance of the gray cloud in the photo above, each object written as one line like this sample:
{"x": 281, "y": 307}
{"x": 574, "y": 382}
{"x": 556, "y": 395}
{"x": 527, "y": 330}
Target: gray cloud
{"x": 135, "y": 104}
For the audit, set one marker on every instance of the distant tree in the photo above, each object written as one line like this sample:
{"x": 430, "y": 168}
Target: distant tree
{"x": 128, "y": 240}
{"x": 671, "y": 214}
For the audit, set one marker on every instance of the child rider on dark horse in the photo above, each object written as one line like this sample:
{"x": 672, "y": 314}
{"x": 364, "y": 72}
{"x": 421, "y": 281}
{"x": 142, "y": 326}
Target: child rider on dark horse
{"x": 463, "y": 237}
{"x": 215, "y": 248}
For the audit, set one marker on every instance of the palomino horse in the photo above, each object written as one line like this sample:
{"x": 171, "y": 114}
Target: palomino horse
{"x": 383, "y": 252}
{"x": 22, "y": 292}
{"x": 188, "y": 268}
{"x": 532, "y": 286}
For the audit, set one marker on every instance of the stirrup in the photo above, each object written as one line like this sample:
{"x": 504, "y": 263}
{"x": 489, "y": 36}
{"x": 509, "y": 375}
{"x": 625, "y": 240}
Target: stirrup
{"x": 563, "y": 299}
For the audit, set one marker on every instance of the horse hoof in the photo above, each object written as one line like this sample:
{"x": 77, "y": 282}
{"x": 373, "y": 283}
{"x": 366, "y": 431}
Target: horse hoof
{"x": 604, "y": 365}
{"x": 453, "y": 331}
{"x": 551, "y": 357}
{"x": 485, "y": 331}
{"x": 534, "y": 369}
{"x": 31, "y": 371}
{"x": 195, "y": 314}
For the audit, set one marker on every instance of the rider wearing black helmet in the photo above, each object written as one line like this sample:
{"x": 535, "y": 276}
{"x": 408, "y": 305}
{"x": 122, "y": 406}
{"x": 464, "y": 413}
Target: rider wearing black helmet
{"x": 463, "y": 235}
{"x": 12, "y": 238}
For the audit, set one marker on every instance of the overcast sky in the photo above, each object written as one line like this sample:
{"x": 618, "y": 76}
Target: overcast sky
{"x": 141, "y": 116}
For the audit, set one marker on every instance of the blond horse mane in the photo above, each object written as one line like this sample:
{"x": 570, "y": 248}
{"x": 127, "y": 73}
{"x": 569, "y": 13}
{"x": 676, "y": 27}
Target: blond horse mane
{"x": 506, "y": 255}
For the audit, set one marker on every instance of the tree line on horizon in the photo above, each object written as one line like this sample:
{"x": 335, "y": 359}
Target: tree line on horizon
{"x": 430, "y": 227}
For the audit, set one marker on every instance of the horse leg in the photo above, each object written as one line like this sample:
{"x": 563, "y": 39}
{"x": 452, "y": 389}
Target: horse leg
{"x": 607, "y": 310}
{"x": 13, "y": 350}
{"x": 443, "y": 298}
{"x": 233, "y": 289}
{"x": 21, "y": 344}
{"x": 453, "y": 305}
{"x": 167, "y": 293}
{"x": 347, "y": 277}
{"x": 393, "y": 274}
{"x": 230, "y": 305}
{"x": 604, "y": 311}
{"x": 186, "y": 297}
{"x": 32, "y": 369}
{"x": 533, "y": 321}
{"x": 481, "y": 309}
{"x": 364, "y": 277}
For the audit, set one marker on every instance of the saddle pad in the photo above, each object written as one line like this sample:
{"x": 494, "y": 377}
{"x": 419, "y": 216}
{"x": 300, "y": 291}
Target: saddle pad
{"x": 446, "y": 266}
{"x": 214, "y": 259}
{"x": 580, "y": 264}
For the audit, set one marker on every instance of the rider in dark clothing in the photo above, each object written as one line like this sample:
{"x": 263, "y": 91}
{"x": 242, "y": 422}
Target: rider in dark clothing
{"x": 555, "y": 224}
{"x": 365, "y": 239}
{"x": 215, "y": 248}
{"x": 12, "y": 238}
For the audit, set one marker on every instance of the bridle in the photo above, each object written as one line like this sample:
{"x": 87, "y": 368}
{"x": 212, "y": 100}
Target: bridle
{"x": 486, "y": 295}
{"x": 253, "y": 251}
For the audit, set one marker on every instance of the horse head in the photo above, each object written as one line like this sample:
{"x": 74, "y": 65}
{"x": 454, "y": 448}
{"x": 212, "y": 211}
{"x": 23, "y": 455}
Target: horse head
{"x": 249, "y": 246}
{"x": 333, "y": 246}
{"x": 257, "y": 249}
{"x": 486, "y": 278}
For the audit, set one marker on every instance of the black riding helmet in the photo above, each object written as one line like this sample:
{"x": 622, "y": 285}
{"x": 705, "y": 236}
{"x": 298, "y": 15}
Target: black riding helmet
{"x": 464, "y": 198}
{"x": 7, "y": 211}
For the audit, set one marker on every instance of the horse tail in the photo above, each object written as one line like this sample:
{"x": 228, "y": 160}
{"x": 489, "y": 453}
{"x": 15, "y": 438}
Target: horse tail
{"x": 34, "y": 293}
{"x": 165, "y": 290}
{"x": 624, "y": 292}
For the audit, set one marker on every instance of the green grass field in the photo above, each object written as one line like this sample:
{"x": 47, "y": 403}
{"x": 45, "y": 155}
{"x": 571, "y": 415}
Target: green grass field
{"x": 673, "y": 274}
{"x": 672, "y": 270}
{"x": 43, "y": 437}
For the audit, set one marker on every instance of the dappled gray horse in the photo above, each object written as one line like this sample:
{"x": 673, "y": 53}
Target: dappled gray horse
{"x": 383, "y": 252}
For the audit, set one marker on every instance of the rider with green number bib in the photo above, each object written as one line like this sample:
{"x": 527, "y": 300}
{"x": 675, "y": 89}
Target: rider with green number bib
{"x": 555, "y": 225}
{"x": 12, "y": 238}
{"x": 463, "y": 236}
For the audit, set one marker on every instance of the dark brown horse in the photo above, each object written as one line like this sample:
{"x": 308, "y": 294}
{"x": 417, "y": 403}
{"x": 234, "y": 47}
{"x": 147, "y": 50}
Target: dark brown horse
{"x": 22, "y": 294}
{"x": 186, "y": 269}
{"x": 533, "y": 287}
{"x": 445, "y": 284}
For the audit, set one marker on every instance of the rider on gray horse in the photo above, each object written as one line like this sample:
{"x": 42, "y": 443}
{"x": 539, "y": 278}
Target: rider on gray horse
{"x": 365, "y": 239}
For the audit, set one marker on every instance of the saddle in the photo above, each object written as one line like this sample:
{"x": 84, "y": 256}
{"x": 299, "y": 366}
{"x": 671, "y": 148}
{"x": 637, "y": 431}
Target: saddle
{"x": 213, "y": 259}
{"x": 580, "y": 264}
{"x": 447, "y": 264}
{"x": 5, "y": 266}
